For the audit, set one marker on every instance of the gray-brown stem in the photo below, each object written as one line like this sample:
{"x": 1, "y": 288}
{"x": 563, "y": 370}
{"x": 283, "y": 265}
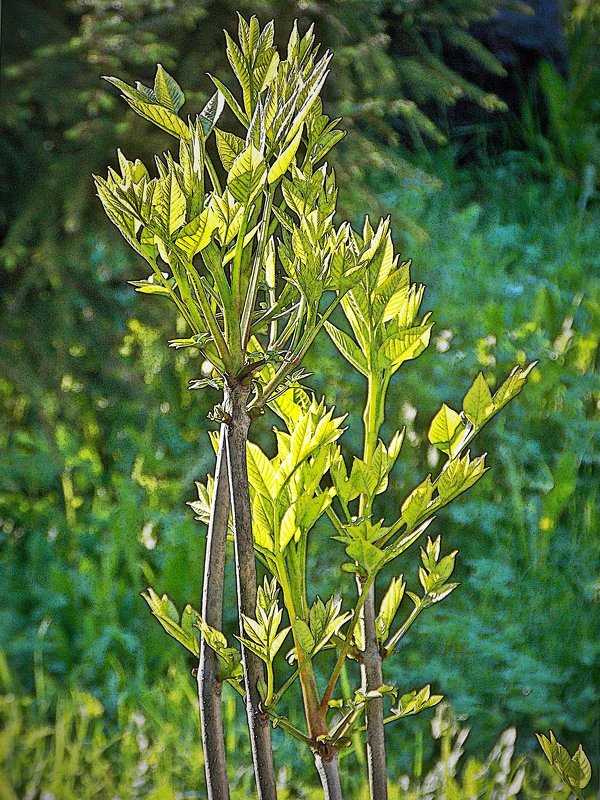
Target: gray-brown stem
{"x": 260, "y": 732}
{"x": 372, "y": 678}
{"x": 209, "y": 681}
{"x": 329, "y": 773}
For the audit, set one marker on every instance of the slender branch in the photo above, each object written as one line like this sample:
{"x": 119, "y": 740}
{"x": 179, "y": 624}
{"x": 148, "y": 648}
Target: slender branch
{"x": 282, "y": 722}
{"x": 236, "y": 266}
{"x": 235, "y": 334}
{"x": 357, "y": 739}
{"x": 270, "y": 683}
{"x": 273, "y": 326}
{"x": 325, "y": 753}
{"x": 278, "y": 695}
{"x": 294, "y": 323}
{"x": 372, "y": 663}
{"x": 209, "y": 679}
{"x": 273, "y": 314}
{"x": 297, "y": 330}
{"x": 346, "y": 645}
{"x": 222, "y": 291}
{"x": 334, "y": 519}
{"x": 372, "y": 679}
{"x": 183, "y": 285}
{"x": 172, "y": 295}
{"x": 212, "y": 324}
{"x": 250, "y": 300}
{"x": 213, "y": 174}
{"x": 288, "y": 366}
{"x": 391, "y": 644}
{"x": 308, "y": 684}
{"x": 345, "y": 722}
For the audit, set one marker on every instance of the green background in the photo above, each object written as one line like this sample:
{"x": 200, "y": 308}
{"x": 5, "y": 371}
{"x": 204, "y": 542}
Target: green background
{"x": 101, "y": 441}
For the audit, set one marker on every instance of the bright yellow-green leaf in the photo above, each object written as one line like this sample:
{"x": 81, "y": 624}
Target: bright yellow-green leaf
{"x": 211, "y": 112}
{"x": 459, "y": 475}
{"x": 304, "y": 636}
{"x": 128, "y": 91}
{"x": 261, "y": 523}
{"x": 299, "y": 436}
{"x": 160, "y": 116}
{"x": 167, "y": 90}
{"x": 283, "y": 161}
{"x": 288, "y": 528}
{"x": 416, "y": 503}
{"x": 385, "y": 259}
{"x": 270, "y": 274}
{"x": 172, "y": 204}
{"x": 262, "y": 475}
{"x": 405, "y": 346}
{"x": 265, "y": 69}
{"x": 247, "y": 175}
{"x": 318, "y": 81}
{"x": 512, "y": 385}
{"x": 446, "y": 429}
{"x": 389, "y": 606}
{"x": 194, "y": 236}
{"x": 478, "y": 405}
{"x": 230, "y": 100}
{"x": 166, "y": 613}
{"x": 365, "y": 554}
{"x": 576, "y": 771}
{"x": 229, "y": 147}
{"x": 247, "y": 239}
{"x": 240, "y": 67}
{"x": 580, "y": 770}
{"x": 390, "y": 294}
{"x": 349, "y": 349}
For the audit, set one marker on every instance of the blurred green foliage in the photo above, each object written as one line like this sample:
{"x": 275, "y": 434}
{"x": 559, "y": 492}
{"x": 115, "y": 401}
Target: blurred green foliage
{"x": 151, "y": 752}
{"x": 101, "y": 441}
{"x": 558, "y": 118}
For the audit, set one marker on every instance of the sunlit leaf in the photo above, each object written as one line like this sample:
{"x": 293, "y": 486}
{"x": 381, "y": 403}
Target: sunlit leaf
{"x": 478, "y": 404}
{"x": 389, "y": 606}
{"x": 446, "y": 429}
{"x": 229, "y": 147}
{"x": 167, "y": 90}
{"x": 160, "y": 116}
{"x": 195, "y": 236}
{"x": 179, "y": 628}
{"x": 347, "y": 348}
{"x": 247, "y": 175}
{"x": 283, "y": 161}
{"x": 575, "y": 771}
{"x": 211, "y": 112}
{"x": 365, "y": 554}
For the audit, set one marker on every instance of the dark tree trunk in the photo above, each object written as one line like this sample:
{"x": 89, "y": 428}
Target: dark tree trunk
{"x": 372, "y": 679}
{"x": 260, "y": 731}
{"x": 329, "y": 773}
